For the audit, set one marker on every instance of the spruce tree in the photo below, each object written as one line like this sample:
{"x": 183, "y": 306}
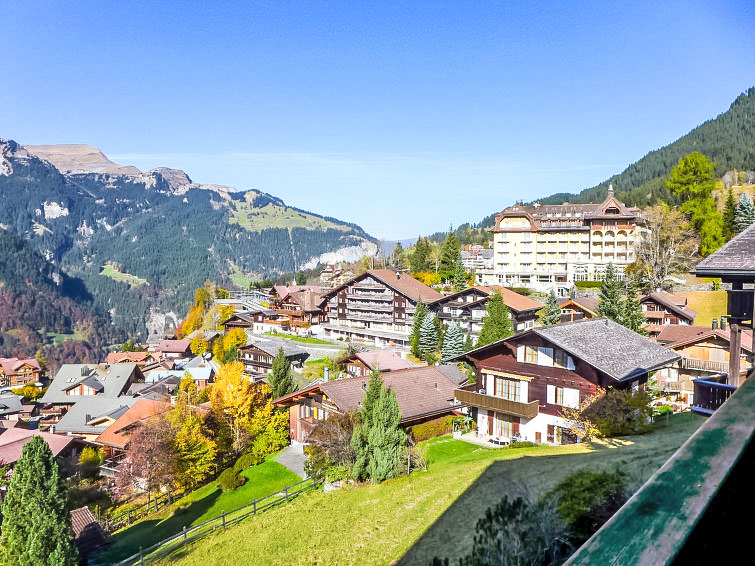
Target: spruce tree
{"x": 631, "y": 313}
{"x": 419, "y": 316}
{"x": 398, "y": 257}
{"x": 728, "y": 215}
{"x": 420, "y": 257}
{"x": 552, "y": 312}
{"x": 468, "y": 343}
{"x": 449, "y": 253}
{"x": 460, "y": 277}
{"x": 281, "y": 379}
{"x": 36, "y": 519}
{"x": 610, "y": 299}
{"x": 385, "y": 440}
{"x": 496, "y": 325}
{"x": 744, "y": 215}
{"x": 428, "y": 335}
{"x": 453, "y": 342}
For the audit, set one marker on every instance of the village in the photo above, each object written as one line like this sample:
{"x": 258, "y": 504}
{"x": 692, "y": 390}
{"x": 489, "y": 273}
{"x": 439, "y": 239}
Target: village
{"x": 512, "y": 350}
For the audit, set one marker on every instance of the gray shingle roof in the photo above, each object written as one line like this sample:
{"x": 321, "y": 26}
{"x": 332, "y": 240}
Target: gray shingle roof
{"x": 272, "y": 345}
{"x": 113, "y": 380}
{"x": 609, "y": 347}
{"x": 10, "y": 404}
{"x": 87, "y": 408}
{"x": 736, "y": 258}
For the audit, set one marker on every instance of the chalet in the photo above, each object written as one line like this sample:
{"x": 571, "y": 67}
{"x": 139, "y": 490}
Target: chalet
{"x": 525, "y": 381}
{"x": 15, "y": 372}
{"x": 174, "y": 349}
{"x": 91, "y": 416}
{"x": 202, "y": 376}
{"x": 139, "y": 358}
{"x": 662, "y": 308}
{"x": 704, "y": 353}
{"x": 76, "y": 382}
{"x": 578, "y": 308}
{"x": 468, "y": 307}
{"x": 300, "y": 310}
{"x": 158, "y": 391}
{"x": 257, "y": 319}
{"x": 12, "y": 442}
{"x": 89, "y": 536}
{"x": 423, "y": 394}
{"x": 208, "y": 336}
{"x": 362, "y": 364}
{"x": 257, "y": 355}
{"x": 376, "y": 306}
{"x": 10, "y": 407}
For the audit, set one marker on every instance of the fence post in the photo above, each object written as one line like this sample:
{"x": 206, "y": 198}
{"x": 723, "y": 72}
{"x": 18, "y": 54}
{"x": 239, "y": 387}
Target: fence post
{"x": 285, "y": 489}
{"x": 222, "y": 514}
{"x": 128, "y": 517}
{"x": 184, "y": 532}
{"x": 254, "y": 505}
{"x": 141, "y": 556}
{"x": 156, "y": 504}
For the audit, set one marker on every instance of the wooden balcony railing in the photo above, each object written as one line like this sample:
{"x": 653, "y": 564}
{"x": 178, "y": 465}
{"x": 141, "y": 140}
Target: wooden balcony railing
{"x": 488, "y": 402}
{"x": 706, "y": 365}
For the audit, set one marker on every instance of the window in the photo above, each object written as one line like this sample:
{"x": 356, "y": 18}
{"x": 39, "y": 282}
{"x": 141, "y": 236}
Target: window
{"x": 564, "y": 396}
{"x": 506, "y": 388}
{"x": 530, "y": 354}
{"x": 504, "y": 426}
{"x": 560, "y": 358}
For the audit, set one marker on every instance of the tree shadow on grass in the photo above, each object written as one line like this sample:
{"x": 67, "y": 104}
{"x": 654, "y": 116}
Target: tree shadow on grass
{"x": 149, "y": 532}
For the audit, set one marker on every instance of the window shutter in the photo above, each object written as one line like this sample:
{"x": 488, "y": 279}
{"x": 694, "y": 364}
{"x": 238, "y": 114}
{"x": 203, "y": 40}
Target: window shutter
{"x": 550, "y": 393}
{"x": 520, "y": 353}
{"x": 544, "y": 356}
{"x": 569, "y": 363}
{"x": 524, "y": 392}
{"x": 571, "y": 397}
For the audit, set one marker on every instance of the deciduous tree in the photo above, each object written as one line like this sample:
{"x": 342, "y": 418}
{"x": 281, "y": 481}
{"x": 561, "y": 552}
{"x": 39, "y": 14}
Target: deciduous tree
{"x": 36, "y": 520}
{"x": 199, "y": 346}
{"x": 150, "y": 459}
{"x": 232, "y": 396}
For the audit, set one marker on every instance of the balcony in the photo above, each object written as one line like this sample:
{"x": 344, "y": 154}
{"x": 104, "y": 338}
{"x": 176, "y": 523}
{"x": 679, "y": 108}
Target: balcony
{"x": 705, "y": 365}
{"x": 711, "y": 393}
{"x": 371, "y": 296}
{"x": 488, "y": 402}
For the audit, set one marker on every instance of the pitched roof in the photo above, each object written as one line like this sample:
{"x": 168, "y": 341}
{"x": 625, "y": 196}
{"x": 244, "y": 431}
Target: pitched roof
{"x": 587, "y": 303}
{"x": 10, "y": 365}
{"x": 173, "y": 346}
{"x": 114, "y": 380}
{"x": 272, "y": 345}
{"x": 308, "y": 300}
{"x": 609, "y": 347}
{"x": 674, "y": 303}
{"x": 10, "y": 404}
{"x": 420, "y": 391}
{"x": 403, "y": 283}
{"x": 680, "y": 335}
{"x": 283, "y": 290}
{"x": 88, "y": 409}
{"x": 736, "y": 258}
{"x": 12, "y": 442}
{"x": 119, "y": 432}
{"x": 90, "y": 536}
{"x": 158, "y": 391}
{"x": 386, "y": 360}
{"x": 128, "y": 357}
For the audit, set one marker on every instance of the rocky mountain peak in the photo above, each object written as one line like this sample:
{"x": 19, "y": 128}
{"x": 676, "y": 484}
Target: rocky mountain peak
{"x": 79, "y": 158}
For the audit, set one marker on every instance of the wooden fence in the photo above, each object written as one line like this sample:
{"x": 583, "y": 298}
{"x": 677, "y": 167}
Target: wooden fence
{"x": 192, "y": 534}
{"x": 122, "y": 520}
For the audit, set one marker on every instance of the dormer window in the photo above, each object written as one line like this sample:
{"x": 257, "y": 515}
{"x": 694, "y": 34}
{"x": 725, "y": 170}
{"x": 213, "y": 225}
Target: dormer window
{"x": 612, "y": 210}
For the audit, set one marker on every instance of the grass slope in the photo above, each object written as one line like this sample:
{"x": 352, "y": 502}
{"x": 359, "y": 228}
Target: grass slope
{"x": 207, "y": 502}
{"x": 127, "y": 278}
{"x": 412, "y": 519}
{"x": 708, "y": 304}
{"x": 271, "y": 215}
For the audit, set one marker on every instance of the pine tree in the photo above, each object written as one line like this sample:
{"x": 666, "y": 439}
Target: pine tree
{"x": 428, "y": 335}
{"x": 398, "y": 257}
{"x": 631, "y": 313}
{"x": 728, "y": 215}
{"x": 419, "y": 258}
{"x": 36, "y": 520}
{"x": 496, "y": 325}
{"x": 419, "y": 316}
{"x": 468, "y": 343}
{"x": 610, "y": 299}
{"x": 281, "y": 379}
{"x": 460, "y": 277}
{"x": 744, "y": 215}
{"x": 552, "y": 312}
{"x": 450, "y": 252}
{"x": 453, "y": 342}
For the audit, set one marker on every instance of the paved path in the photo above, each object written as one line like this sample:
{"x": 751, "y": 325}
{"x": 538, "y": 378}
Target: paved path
{"x": 293, "y": 458}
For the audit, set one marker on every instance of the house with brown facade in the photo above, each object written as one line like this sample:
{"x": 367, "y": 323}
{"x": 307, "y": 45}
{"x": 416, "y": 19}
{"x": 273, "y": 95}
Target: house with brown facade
{"x": 525, "y": 381}
{"x": 258, "y": 354}
{"x": 376, "y": 307}
{"x": 299, "y": 310}
{"x": 578, "y": 308}
{"x": 139, "y": 358}
{"x": 172, "y": 349}
{"x": 362, "y": 364}
{"x": 468, "y": 307}
{"x": 704, "y": 352}
{"x": 662, "y": 309}
{"x": 256, "y": 318}
{"x": 423, "y": 394}
{"x": 15, "y": 372}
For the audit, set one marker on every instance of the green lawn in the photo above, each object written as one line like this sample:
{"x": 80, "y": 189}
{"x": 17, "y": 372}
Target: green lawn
{"x": 302, "y": 339}
{"x": 708, "y": 304}
{"x": 433, "y": 513}
{"x": 58, "y": 338}
{"x": 207, "y": 502}
{"x": 128, "y": 279}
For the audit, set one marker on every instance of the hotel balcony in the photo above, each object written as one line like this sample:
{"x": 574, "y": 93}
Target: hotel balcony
{"x": 488, "y": 402}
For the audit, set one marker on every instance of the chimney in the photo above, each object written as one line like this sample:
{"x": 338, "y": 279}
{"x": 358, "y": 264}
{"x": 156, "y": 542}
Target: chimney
{"x": 84, "y": 371}
{"x": 723, "y": 322}
{"x": 714, "y": 324}
{"x": 398, "y": 275}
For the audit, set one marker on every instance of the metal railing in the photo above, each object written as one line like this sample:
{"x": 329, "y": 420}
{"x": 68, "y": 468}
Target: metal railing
{"x": 711, "y": 393}
{"x": 192, "y": 534}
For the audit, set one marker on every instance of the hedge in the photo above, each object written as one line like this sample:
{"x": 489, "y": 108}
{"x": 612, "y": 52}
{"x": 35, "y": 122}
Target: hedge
{"x": 588, "y": 284}
{"x": 432, "y": 429}
{"x": 247, "y": 461}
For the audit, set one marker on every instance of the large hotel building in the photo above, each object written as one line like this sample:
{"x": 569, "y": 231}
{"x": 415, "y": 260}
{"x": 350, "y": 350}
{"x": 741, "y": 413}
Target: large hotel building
{"x": 546, "y": 247}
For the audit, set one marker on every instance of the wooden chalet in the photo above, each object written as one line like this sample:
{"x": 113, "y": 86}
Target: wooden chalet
{"x": 423, "y": 394}
{"x": 300, "y": 309}
{"x": 376, "y": 306}
{"x": 139, "y": 358}
{"x": 173, "y": 349}
{"x": 15, "y": 372}
{"x": 256, "y": 318}
{"x": 362, "y": 364}
{"x": 468, "y": 307}
{"x": 662, "y": 309}
{"x": 525, "y": 381}
{"x": 578, "y": 308}
{"x": 257, "y": 355}
{"x": 735, "y": 265}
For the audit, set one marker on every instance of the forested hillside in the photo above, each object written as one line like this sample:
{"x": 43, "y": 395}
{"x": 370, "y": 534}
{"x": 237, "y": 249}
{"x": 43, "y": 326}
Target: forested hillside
{"x": 135, "y": 241}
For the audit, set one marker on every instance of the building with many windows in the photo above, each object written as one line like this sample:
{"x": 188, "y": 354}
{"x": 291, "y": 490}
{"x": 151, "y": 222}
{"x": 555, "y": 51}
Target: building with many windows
{"x": 546, "y": 247}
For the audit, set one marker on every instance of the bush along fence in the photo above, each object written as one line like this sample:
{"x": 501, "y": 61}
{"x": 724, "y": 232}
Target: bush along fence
{"x": 226, "y": 519}
{"x": 122, "y": 520}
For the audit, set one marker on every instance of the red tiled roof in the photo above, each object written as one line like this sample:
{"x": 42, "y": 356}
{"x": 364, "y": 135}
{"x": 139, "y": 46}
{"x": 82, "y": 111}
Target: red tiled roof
{"x": 173, "y": 346}
{"x": 12, "y": 442}
{"x": 10, "y": 365}
{"x": 673, "y": 303}
{"x": 119, "y": 433}
{"x": 386, "y": 360}
{"x": 127, "y": 357}
{"x": 679, "y": 335}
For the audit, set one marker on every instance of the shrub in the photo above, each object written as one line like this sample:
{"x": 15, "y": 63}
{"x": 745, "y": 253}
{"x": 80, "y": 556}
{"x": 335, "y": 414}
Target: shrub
{"x": 247, "y": 461}
{"x": 521, "y": 290}
{"x": 230, "y": 479}
{"x": 588, "y": 284}
{"x": 620, "y": 412}
{"x": 522, "y": 444}
{"x": 432, "y": 429}
{"x": 90, "y": 460}
{"x": 587, "y": 499}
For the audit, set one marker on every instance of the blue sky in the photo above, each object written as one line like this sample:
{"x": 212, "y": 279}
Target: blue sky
{"x": 401, "y": 117}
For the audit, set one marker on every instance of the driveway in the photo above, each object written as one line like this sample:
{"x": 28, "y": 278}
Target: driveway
{"x": 293, "y": 458}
